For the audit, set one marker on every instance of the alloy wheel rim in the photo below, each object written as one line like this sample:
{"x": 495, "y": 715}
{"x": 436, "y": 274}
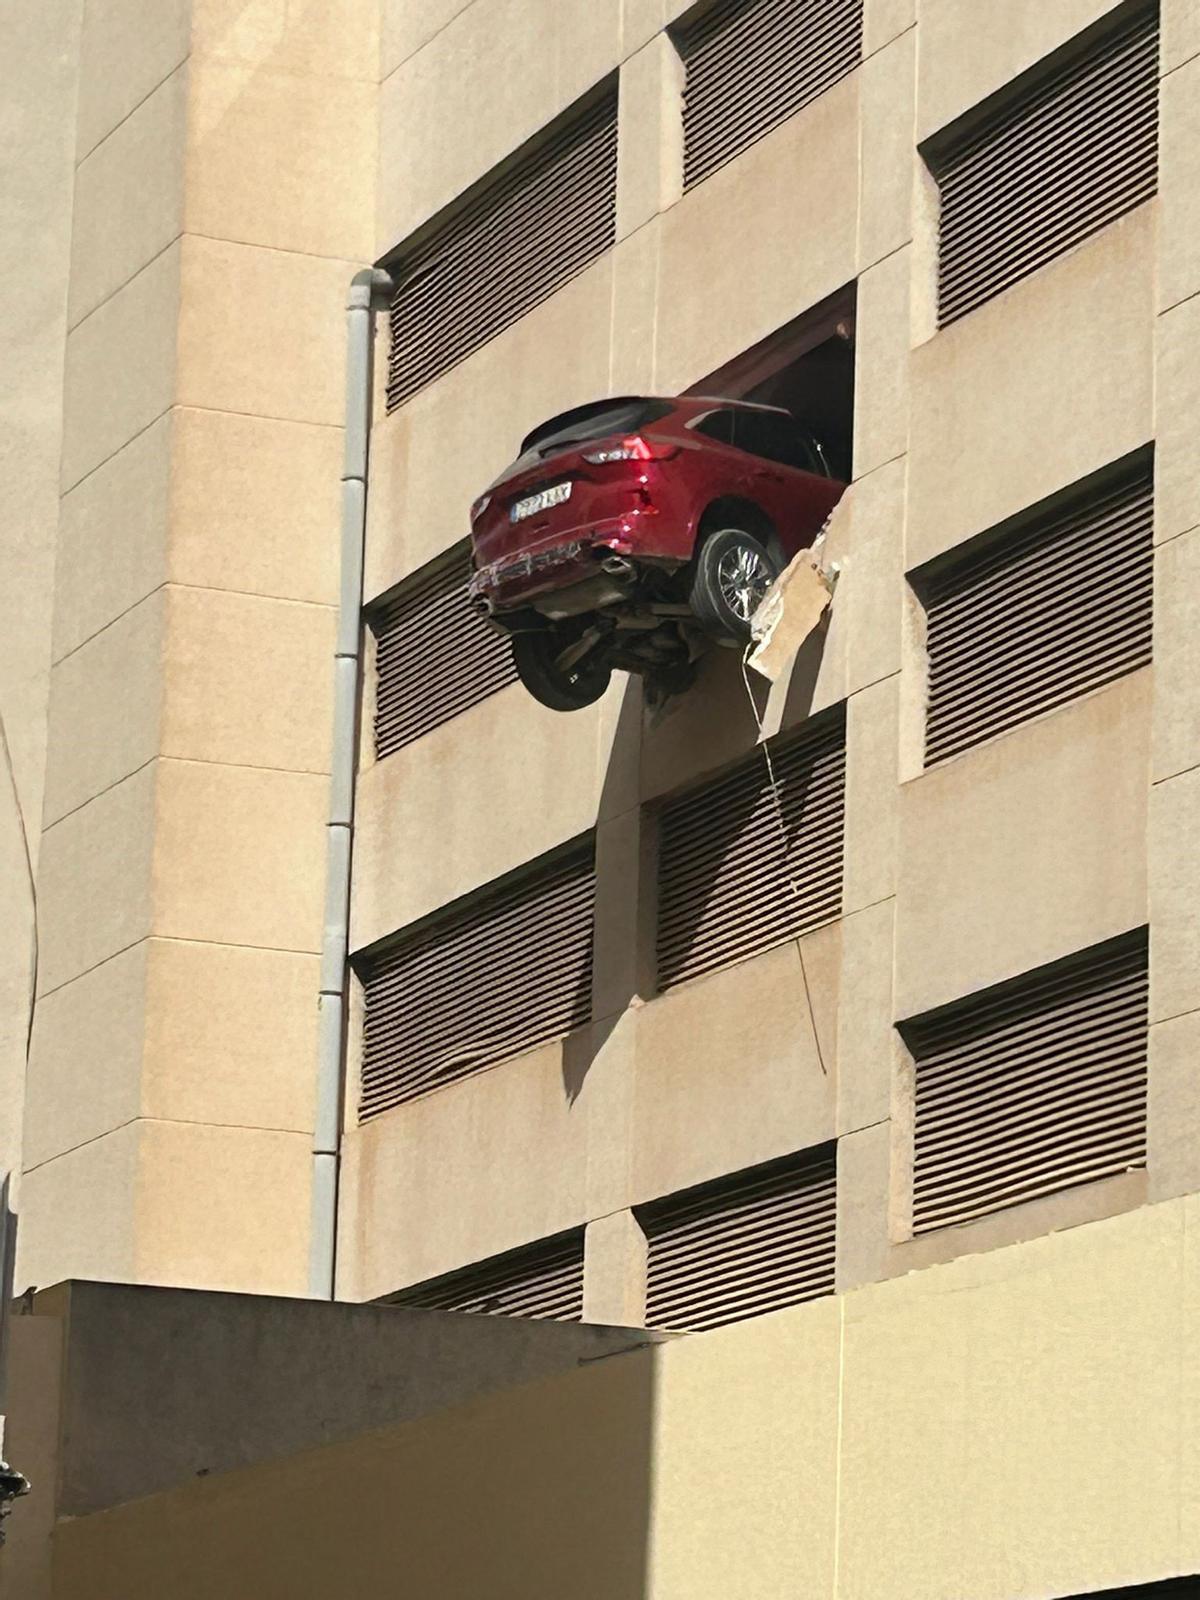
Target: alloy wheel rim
{"x": 743, "y": 578}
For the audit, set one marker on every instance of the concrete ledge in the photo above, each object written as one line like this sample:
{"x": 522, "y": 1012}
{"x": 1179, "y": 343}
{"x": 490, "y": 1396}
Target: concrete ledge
{"x": 161, "y": 1386}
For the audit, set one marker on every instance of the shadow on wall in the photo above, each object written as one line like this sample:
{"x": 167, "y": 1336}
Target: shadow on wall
{"x": 655, "y": 753}
{"x": 539, "y": 1489}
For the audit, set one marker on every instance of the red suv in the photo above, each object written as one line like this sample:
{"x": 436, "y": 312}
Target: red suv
{"x": 630, "y": 531}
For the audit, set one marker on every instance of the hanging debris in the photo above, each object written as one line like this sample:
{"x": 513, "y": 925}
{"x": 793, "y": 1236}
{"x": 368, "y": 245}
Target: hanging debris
{"x": 793, "y": 606}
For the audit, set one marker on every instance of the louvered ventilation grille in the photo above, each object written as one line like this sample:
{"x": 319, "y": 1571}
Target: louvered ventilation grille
{"x": 522, "y": 237}
{"x": 751, "y": 64}
{"x": 1045, "y": 615}
{"x": 756, "y": 1242}
{"x": 507, "y": 972}
{"x": 1035, "y": 1086}
{"x": 728, "y": 883}
{"x": 544, "y": 1281}
{"x": 434, "y": 655}
{"x": 1070, "y": 157}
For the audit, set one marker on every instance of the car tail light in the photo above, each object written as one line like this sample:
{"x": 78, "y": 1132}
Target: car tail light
{"x": 634, "y": 449}
{"x": 480, "y": 506}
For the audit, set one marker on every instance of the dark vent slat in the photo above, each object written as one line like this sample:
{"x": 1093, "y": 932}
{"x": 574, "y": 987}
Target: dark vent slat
{"x": 527, "y": 232}
{"x": 1035, "y": 1088}
{"x": 1074, "y": 154}
{"x": 1010, "y": 697}
{"x": 751, "y": 64}
{"x": 729, "y": 885}
{"x": 1062, "y": 608}
{"x": 755, "y": 1242}
{"x": 506, "y": 971}
{"x": 998, "y": 1022}
{"x": 542, "y": 1281}
{"x": 434, "y": 656}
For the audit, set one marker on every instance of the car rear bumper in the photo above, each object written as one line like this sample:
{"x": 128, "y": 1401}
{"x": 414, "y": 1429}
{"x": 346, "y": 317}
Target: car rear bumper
{"x": 561, "y": 559}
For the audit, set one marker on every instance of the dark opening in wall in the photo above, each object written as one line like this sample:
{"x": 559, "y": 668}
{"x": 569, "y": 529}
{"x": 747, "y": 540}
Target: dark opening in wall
{"x": 807, "y": 366}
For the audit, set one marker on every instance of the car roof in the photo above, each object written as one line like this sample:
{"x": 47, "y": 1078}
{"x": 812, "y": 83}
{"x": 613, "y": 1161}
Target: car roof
{"x": 579, "y": 414}
{"x": 688, "y": 401}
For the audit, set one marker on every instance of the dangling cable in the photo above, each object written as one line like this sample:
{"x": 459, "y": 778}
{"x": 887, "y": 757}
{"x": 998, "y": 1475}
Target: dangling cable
{"x": 781, "y": 817}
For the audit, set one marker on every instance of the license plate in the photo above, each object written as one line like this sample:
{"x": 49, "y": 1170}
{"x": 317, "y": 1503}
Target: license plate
{"x": 542, "y": 501}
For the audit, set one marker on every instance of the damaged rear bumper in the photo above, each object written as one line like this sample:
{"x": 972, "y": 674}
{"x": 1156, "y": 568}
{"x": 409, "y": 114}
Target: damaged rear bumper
{"x": 541, "y": 570}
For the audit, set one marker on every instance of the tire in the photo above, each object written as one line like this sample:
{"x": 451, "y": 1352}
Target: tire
{"x": 733, "y": 571}
{"x": 535, "y": 656}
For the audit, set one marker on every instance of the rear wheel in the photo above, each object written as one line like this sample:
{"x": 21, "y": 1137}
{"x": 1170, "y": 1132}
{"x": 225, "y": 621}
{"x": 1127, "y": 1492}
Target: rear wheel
{"x": 733, "y": 571}
{"x": 548, "y": 665}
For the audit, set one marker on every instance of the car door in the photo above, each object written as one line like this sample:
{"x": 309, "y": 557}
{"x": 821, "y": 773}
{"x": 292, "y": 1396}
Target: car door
{"x": 786, "y": 475}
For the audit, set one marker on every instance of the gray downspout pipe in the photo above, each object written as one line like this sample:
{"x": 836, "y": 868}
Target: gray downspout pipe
{"x": 368, "y": 289}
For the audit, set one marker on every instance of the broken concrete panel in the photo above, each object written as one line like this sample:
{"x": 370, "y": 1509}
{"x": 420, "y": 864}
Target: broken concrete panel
{"x": 792, "y": 607}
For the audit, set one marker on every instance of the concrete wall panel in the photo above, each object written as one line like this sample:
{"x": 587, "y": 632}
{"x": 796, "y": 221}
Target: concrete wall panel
{"x": 77, "y": 1213}
{"x": 1065, "y": 355}
{"x": 316, "y": 38}
{"x": 728, "y": 1073}
{"x": 866, "y": 1037}
{"x": 222, "y": 1208}
{"x": 968, "y": 52}
{"x": 1179, "y": 173}
{"x": 126, "y": 352}
{"x": 282, "y": 160}
{"x": 732, "y": 270}
{"x": 129, "y": 197}
{"x": 239, "y": 320}
{"x": 254, "y": 505}
{"x": 86, "y": 1059}
{"x": 246, "y": 680}
{"x": 230, "y": 1036}
{"x": 127, "y": 51}
{"x": 727, "y": 1404}
{"x": 256, "y": 883}
{"x": 1024, "y": 849}
{"x": 1174, "y": 869}
{"x": 886, "y": 173}
{"x": 105, "y": 706}
{"x": 94, "y": 880}
{"x": 483, "y": 794}
{"x": 110, "y": 549}
{"x": 482, "y": 1166}
{"x": 1024, "y": 1410}
{"x": 505, "y": 68}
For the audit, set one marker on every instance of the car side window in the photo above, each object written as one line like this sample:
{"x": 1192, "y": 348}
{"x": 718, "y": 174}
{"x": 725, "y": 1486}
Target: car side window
{"x": 717, "y": 425}
{"x": 776, "y": 438}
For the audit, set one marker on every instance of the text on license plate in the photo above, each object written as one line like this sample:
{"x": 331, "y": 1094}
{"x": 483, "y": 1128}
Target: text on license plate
{"x": 542, "y": 501}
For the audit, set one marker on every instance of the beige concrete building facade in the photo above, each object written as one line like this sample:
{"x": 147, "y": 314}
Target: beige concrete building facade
{"x": 200, "y": 180}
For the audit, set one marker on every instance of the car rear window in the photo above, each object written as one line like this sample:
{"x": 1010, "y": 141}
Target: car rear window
{"x": 623, "y": 416}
